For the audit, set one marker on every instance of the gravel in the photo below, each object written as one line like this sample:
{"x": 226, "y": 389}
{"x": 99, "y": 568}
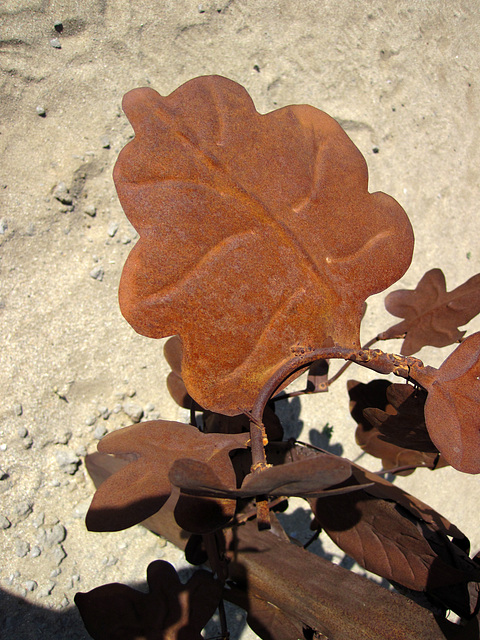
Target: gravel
{"x": 133, "y": 411}
{"x": 97, "y": 273}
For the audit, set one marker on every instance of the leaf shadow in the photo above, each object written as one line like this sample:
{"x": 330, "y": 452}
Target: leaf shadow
{"x": 322, "y": 439}
{"x": 289, "y": 414}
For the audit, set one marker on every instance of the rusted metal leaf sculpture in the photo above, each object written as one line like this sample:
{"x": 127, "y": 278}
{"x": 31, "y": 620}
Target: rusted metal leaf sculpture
{"x": 142, "y": 487}
{"x": 305, "y": 477}
{"x": 371, "y": 409}
{"x": 403, "y": 421}
{"x": 452, "y": 408}
{"x": 389, "y": 533}
{"x": 175, "y": 384}
{"x": 432, "y": 315}
{"x": 170, "y": 611}
{"x": 257, "y": 233}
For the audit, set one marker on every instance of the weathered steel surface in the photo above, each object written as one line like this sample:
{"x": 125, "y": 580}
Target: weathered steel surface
{"x": 257, "y": 233}
{"x": 432, "y": 315}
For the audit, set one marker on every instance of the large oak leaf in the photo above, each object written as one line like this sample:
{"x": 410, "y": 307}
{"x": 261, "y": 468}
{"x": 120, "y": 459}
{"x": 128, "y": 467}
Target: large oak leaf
{"x": 257, "y": 233}
{"x": 432, "y": 315}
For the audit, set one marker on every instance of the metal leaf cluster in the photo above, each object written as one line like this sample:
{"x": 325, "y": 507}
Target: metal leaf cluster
{"x": 259, "y": 243}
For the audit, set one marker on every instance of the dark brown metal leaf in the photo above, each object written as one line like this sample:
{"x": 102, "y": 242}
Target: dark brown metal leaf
{"x": 141, "y": 488}
{"x": 432, "y": 315}
{"x": 452, "y": 409}
{"x": 170, "y": 611}
{"x": 306, "y": 477}
{"x": 385, "y": 535}
{"x": 369, "y": 404}
{"x": 257, "y": 233}
{"x": 218, "y": 423}
{"x": 403, "y": 421}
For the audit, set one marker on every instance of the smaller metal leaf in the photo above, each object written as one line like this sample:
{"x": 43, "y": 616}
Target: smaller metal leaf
{"x": 403, "y": 421}
{"x": 171, "y": 610}
{"x": 142, "y": 487}
{"x": 452, "y": 409}
{"x": 382, "y": 528}
{"x": 369, "y": 406}
{"x": 307, "y": 477}
{"x": 432, "y": 315}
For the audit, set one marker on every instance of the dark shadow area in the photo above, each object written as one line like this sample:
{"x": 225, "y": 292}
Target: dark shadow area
{"x": 288, "y": 412}
{"x": 22, "y": 620}
{"x": 322, "y": 439}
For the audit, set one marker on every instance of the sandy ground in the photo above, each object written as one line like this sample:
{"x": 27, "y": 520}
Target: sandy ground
{"x": 401, "y": 77}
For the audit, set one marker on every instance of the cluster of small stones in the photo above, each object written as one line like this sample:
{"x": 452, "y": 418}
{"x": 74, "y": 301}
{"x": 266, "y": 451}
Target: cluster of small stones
{"x": 44, "y": 554}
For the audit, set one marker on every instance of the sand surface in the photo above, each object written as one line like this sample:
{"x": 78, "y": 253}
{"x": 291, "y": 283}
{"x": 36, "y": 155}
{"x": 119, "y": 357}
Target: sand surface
{"x": 402, "y": 79}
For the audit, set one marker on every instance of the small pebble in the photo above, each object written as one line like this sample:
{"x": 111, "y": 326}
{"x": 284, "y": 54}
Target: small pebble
{"x": 63, "y": 438}
{"x": 56, "y": 535}
{"x": 62, "y": 194}
{"x": 27, "y": 442}
{"x": 41, "y": 111}
{"x": 149, "y": 407}
{"x": 47, "y": 589}
{"x": 3, "y": 447}
{"x": 104, "y": 412}
{"x": 3, "y": 226}
{"x": 97, "y": 273}
{"x": 112, "y": 229}
{"x": 55, "y": 43}
{"x": 30, "y": 585}
{"x": 81, "y": 451}
{"x": 59, "y": 554}
{"x": 100, "y": 431}
{"x": 126, "y": 239}
{"x": 90, "y": 421}
{"x": 58, "y": 26}
{"x": 38, "y": 520}
{"x": 4, "y": 522}
{"x": 109, "y": 561}
{"x": 22, "y": 432}
{"x": 56, "y": 572}
{"x": 36, "y": 551}
{"x": 64, "y": 603}
{"x": 133, "y": 411}
{"x": 3, "y": 474}
{"x": 21, "y": 548}
{"x": 117, "y": 408}
{"x": 23, "y": 509}
{"x": 91, "y": 210}
{"x": 67, "y": 461}
{"x": 105, "y": 142}
{"x": 131, "y": 393}
{"x": 17, "y": 409}
{"x": 154, "y": 415}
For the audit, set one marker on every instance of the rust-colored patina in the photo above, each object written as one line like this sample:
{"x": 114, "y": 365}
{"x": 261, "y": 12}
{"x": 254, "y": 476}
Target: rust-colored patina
{"x": 257, "y": 232}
